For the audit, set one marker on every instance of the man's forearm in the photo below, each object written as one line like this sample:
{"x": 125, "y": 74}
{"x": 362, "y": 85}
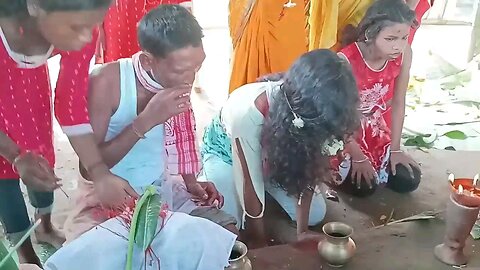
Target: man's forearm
{"x": 116, "y": 149}
{"x": 8, "y": 148}
{"x": 89, "y": 154}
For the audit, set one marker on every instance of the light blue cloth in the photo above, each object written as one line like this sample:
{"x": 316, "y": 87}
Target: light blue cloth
{"x": 220, "y": 173}
{"x": 184, "y": 243}
{"x": 145, "y": 163}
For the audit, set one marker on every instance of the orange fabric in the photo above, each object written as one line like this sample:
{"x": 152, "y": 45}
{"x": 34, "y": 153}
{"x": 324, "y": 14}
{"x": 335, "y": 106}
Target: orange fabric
{"x": 329, "y": 18}
{"x": 264, "y": 40}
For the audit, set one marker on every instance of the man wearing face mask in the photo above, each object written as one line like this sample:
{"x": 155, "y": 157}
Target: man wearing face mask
{"x": 130, "y": 101}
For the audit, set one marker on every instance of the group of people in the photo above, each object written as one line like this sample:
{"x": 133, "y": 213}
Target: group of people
{"x": 131, "y": 123}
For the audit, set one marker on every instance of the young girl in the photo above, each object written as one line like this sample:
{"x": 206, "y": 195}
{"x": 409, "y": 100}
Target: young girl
{"x": 276, "y": 137}
{"x": 380, "y": 60}
{"x": 31, "y": 32}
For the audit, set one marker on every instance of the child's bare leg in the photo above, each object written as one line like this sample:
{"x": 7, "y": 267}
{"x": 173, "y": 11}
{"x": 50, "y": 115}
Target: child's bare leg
{"x": 15, "y": 220}
{"x": 46, "y": 232}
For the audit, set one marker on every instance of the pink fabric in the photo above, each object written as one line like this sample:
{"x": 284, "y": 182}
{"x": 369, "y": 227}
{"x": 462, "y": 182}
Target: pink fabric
{"x": 180, "y": 143}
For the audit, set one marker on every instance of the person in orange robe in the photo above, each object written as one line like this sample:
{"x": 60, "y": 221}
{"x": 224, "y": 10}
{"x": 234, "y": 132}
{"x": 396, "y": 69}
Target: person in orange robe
{"x": 267, "y": 37}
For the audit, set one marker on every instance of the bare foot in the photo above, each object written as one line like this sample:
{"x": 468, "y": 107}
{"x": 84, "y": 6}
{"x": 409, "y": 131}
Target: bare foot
{"x": 52, "y": 236}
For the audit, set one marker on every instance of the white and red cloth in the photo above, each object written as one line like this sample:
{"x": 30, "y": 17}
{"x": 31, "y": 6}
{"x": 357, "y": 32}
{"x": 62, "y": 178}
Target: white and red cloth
{"x": 25, "y": 101}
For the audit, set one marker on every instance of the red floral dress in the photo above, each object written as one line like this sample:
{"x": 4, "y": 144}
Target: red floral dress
{"x": 376, "y": 92}
{"x": 26, "y": 105}
{"x": 120, "y": 28}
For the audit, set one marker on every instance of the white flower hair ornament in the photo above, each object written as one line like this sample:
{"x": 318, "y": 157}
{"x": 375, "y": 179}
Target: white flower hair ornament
{"x": 297, "y": 120}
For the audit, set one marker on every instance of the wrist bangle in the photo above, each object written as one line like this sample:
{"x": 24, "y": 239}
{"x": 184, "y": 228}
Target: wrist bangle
{"x": 360, "y": 161}
{"x": 396, "y": 151}
{"x": 17, "y": 158}
{"x": 137, "y": 132}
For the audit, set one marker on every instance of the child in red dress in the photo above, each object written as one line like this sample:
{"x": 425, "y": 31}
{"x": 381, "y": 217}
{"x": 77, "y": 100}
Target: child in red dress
{"x": 31, "y": 31}
{"x": 380, "y": 60}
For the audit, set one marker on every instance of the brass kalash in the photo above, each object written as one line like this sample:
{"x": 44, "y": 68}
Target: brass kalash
{"x": 461, "y": 214}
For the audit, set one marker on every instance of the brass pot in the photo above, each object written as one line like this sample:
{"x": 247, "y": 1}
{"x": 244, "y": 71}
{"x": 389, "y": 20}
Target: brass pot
{"x": 238, "y": 259}
{"x": 337, "y": 248}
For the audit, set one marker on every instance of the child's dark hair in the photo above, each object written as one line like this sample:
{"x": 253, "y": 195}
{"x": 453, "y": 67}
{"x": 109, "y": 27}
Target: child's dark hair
{"x": 168, "y": 28}
{"x": 321, "y": 90}
{"x": 381, "y": 13}
{"x": 9, "y": 8}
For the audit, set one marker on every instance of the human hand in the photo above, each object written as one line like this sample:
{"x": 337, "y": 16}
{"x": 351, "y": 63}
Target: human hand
{"x": 273, "y": 77}
{"x": 363, "y": 169}
{"x": 401, "y": 158}
{"x": 111, "y": 190}
{"x": 164, "y": 105}
{"x": 35, "y": 172}
{"x": 206, "y": 194}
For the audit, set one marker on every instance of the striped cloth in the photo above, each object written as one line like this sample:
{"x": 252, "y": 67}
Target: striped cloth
{"x": 181, "y": 144}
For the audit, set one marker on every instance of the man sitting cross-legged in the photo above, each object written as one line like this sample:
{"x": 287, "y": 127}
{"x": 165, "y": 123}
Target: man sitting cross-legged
{"x": 130, "y": 102}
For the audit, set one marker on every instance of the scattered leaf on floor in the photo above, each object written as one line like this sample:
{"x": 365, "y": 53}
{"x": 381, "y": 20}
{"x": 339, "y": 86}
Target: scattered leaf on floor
{"x": 456, "y": 135}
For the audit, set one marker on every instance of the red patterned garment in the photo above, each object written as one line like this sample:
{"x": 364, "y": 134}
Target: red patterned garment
{"x": 422, "y": 7}
{"x": 376, "y": 89}
{"x": 120, "y": 28}
{"x": 26, "y": 107}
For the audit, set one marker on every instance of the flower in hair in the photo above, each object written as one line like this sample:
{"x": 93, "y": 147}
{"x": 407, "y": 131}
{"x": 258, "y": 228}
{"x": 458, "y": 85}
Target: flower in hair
{"x": 297, "y": 121}
{"x": 331, "y": 148}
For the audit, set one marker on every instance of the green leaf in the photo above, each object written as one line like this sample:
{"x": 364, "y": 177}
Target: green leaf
{"x": 418, "y": 141}
{"x": 456, "y": 135}
{"x": 147, "y": 221}
{"x": 10, "y": 263}
{"x": 132, "y": 236}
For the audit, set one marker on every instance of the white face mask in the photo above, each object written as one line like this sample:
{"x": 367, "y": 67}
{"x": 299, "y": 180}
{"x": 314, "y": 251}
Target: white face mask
{"x": 30, "y": 62}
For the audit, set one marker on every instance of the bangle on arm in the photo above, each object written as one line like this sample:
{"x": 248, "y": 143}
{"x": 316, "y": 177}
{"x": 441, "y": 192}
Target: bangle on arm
{"x": 396, "y": 151}
{"x": 137, "y": 132}
{"x": 17, "y": 158}
{"x": 360, "y": 161}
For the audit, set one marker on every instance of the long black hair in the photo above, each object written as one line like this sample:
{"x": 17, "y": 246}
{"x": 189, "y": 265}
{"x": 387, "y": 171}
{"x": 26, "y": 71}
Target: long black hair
{"x": 320, "y": 89}
{"x": 381, "y": 13}
{"x": 9, "y": 8}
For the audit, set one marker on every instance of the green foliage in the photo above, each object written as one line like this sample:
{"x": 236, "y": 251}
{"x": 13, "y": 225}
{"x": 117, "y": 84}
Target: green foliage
{"x": 144, "y": 222}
